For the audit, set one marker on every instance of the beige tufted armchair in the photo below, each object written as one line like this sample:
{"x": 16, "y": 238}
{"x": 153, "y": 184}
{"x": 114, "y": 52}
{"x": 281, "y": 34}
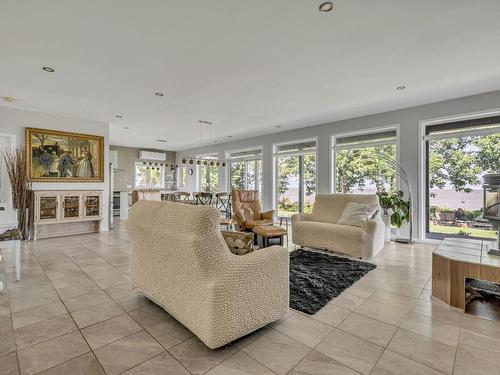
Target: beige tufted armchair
{"x": 247, "y": 210}
{"x": 181, "y": 261}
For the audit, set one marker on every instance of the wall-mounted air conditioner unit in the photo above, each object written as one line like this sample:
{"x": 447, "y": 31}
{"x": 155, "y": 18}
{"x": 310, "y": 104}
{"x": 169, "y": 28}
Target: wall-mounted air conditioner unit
{"x": 149, "y": 155}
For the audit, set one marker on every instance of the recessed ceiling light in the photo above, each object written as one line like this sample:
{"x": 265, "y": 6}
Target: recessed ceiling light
{"x": 126, "y": 128}
{"x": 9, "y": 99}
{"x": 400, "y": 88}
{"x": 48, "y": 69}
{"x": 326, "y": 7}
{"x": 118, "y": 116}
{"x": 158, "y": 93}
{"x": 161, "y": 140}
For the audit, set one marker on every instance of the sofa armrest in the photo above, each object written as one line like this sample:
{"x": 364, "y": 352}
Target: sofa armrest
{"x": 255, "y": 281}
{"x": 301, "y": 217}
{"x": 375, "y": 225}
{"x": 268, "y": 215}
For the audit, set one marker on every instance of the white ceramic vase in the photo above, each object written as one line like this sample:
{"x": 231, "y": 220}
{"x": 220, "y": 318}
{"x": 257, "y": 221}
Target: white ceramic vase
{"x": 386, "y": 217}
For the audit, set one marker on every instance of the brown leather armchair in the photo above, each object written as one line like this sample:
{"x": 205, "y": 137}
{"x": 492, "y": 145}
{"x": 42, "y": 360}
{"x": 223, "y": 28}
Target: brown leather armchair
{"x": 147, "y": 194}
{"x": 247, "y": 209}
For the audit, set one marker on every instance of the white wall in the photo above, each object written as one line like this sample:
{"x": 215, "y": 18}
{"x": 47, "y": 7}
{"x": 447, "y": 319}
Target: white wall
{"x": 14, "y": 121}
{"x": 408, "y": 120}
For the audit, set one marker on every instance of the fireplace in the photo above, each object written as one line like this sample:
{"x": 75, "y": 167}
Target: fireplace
{"x": 482, "y": 298}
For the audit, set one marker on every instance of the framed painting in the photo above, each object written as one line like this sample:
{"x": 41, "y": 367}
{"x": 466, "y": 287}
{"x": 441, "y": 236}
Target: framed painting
{"x": 57, "y": 156}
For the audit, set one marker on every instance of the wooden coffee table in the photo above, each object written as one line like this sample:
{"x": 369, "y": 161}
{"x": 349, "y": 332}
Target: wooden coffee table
{"x": 269, "y": 232}
{"x": 456, "y": 259}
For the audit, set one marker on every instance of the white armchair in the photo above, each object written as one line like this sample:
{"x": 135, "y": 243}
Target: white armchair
{"x": 181, "y": 261}
{"x": 319, "y": 229}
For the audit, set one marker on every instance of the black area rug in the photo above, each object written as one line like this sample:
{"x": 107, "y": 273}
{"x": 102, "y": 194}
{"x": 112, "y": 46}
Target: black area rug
{"x": 316, "y": 278}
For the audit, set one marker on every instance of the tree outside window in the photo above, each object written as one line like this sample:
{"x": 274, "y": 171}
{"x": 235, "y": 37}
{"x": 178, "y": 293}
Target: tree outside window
{"x": 245, "y": 169}
{"x": 355, "y": 175}
{"x": 209, "y": 175}
{"x": 295, "y": 177}
{"x": 456, "y": 165}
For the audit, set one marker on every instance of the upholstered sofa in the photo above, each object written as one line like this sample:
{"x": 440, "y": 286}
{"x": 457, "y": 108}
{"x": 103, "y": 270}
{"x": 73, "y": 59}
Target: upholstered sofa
{"x": 319, "y": 229}
{"x": 247, "y": 210}
{"x": 181, "y": 261}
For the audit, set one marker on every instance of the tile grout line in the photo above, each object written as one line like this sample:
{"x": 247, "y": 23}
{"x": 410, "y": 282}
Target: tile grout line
{"x": 125, "y": 313}
{"x": 74, "y": 322}
{"x": 80, "y": 331}
{"x": 2, "y": 267}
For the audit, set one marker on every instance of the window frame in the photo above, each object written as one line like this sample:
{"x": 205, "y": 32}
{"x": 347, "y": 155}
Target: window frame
{"x": 245, "y": 160}
{"x": 470, "y": 123}
{"x": 182, "y": 169}
{"x": 208, "y": 157}
{"x": 372, "y": 130}
{"x": 148, "y": 176}
{"x": 422, "y": 157}
{"x": 277, "y": 155}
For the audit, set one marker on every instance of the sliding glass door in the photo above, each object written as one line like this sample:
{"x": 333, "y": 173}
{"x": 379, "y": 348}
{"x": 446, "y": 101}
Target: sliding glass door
{"x": 245, "y": 170}
{"x": 209, "y": 174}
{"x": 458, "y": 155}
{"x": 295, "y": 177}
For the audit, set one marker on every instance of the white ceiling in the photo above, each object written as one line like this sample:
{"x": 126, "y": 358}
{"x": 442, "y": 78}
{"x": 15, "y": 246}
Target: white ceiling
{"x": 244, "y": 65}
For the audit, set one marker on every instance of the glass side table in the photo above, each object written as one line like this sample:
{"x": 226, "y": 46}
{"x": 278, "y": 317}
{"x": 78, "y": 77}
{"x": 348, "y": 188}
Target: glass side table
{"x": 286, "y": 219}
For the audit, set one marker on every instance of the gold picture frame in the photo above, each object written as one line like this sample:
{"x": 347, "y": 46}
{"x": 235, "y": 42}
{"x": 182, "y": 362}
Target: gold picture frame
{"x": 59, "y": 156}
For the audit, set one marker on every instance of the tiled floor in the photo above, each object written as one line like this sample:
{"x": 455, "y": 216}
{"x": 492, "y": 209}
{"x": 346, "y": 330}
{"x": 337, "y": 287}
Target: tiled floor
{"x": 75, "y": 313}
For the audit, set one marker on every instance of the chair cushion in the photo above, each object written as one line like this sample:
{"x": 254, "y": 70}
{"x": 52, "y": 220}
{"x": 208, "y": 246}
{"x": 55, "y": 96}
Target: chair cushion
{"x": 357, "y": 214}
{"x": 255, "y": 223}
{"x": 328, "y": 208}
{"x": 269, "y": 230}
{"x": 246, "y": 207}
{"x": 341, "y": 238}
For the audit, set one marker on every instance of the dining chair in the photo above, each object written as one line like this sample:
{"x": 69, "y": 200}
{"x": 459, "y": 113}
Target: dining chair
{"x": 203, "y": 198}
{"x": 223, "y": 203}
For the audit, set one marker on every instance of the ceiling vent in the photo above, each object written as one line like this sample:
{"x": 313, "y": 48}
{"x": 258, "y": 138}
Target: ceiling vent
{"x": 156, "y": 156}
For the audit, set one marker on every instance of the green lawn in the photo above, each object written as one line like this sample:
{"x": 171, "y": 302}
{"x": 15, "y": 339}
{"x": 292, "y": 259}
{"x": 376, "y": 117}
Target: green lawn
{"x": 474, "y": 232}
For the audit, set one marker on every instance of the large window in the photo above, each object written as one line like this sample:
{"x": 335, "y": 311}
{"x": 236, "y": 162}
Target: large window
{"x": 209, "y": 174}
{"x": 149, "y": 175}
{"x": 458, "y": 154}
{"x": 295, "y": 176}
{"x": 182, "y": 177}
{"x": 245, "y": 170}
{"x": 363, "y": 163}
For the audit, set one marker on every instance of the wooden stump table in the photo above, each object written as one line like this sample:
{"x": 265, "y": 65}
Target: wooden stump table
{"x": 456, "y": 259}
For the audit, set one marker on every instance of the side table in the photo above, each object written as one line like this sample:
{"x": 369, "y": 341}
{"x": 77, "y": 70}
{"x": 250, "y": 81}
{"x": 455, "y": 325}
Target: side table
{"x": 12, "y": 239}
{"x": 286, "y": 219}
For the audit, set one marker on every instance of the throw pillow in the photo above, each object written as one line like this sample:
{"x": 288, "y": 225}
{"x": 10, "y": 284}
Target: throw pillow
{"x": 357, "y": 214}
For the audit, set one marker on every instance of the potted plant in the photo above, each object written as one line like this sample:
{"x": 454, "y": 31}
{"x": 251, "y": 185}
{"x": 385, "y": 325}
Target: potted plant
{"x": 396, "y": 210}
{"x": 20, "y": 188}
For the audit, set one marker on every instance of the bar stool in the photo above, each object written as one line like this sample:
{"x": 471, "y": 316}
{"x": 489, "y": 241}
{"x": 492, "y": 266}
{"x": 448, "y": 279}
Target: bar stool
{"x": 223, "y": 203}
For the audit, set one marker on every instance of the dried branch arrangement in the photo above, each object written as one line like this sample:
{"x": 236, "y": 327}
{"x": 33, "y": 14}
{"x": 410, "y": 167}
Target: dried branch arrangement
{"x": 21, "y": 187}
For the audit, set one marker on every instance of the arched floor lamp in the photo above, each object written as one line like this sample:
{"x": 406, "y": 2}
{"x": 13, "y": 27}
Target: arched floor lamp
{"x": 399, "y": 171}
